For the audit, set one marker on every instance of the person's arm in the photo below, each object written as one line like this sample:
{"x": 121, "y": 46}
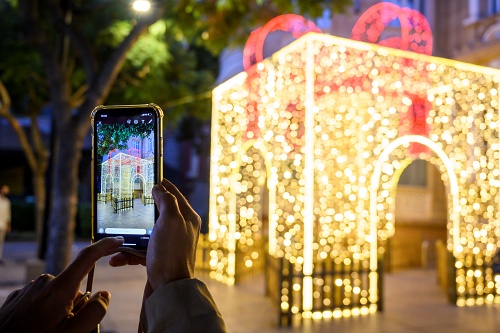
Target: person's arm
{"x": 182, "y": 306}
{"x": 174, "y": 301}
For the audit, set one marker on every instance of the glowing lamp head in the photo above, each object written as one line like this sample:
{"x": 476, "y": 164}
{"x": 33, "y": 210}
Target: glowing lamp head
{"x": 141, "y": 5}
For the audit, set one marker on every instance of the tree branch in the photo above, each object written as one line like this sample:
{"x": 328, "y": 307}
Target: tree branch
{"x": 59, "y": 88}
{"x": 5, "y": 104}
{"x": 41, "y": 151}
{"x": 78, "y": 96}
{"x": 88, "y": 61}
{"x": 5, "y": 101}
{"x": 100, "y": 86}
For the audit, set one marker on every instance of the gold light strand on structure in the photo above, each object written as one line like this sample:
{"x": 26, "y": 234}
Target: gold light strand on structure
{"x": 360, "y": 100}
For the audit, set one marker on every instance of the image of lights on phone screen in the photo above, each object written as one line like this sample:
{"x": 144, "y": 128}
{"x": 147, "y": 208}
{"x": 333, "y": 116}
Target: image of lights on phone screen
{"x": 124, "y": 174}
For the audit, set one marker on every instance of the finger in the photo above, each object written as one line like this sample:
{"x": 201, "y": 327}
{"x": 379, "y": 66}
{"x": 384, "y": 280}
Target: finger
{"x": 158, "y": 193}
{"x": 188, "y": 213}
{"x": 184, "y": 205}
{"x": 70, "y": 279}
{"x": 39, "y": 282}
{"x": 12, "y": 295}
{"x": 166, "y": 201}
{"x": 42, "y": 279}
{"x": 36, "y": 284}
{"x": 89, "y": 316}
{"x": 123, "y": 258}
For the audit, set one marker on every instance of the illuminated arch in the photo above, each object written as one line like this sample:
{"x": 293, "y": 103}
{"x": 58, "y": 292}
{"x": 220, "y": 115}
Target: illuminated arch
{"x": 375, "y": 181}
{"x": 416, "y": 32}
{"x": 454, "y": 211}
{"x": 271, "y": 179}
{"x": 141, "y": 177}
{"x": 104, "y": 183}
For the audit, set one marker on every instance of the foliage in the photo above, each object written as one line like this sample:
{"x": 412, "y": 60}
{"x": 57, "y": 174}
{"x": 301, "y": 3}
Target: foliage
{"x": 173, "y": 65}
{"x": 217, "y": 24}
{"x": 162, "y": 70}
{"x": 115, "y": 136}
{"x": 21, "y": 69}
{"x": 76, "y": 54}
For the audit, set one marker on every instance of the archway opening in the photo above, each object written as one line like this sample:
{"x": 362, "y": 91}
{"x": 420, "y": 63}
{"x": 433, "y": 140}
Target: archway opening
{"x": 420, "y": 219}
{"x": 108, "y": 187}
{"x": 415, "y": 257}
{"x": 138, "y": 185}
{"x": 388, "y": 168}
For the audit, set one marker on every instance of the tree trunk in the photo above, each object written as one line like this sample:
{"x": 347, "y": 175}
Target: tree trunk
{"x": 64, "y": 200}
{"x": 37, "y": 158}
{"x": 40, "y": 196}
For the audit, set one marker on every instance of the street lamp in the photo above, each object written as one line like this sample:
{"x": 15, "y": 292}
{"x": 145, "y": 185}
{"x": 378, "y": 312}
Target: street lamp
{"x": 141, "y": 5}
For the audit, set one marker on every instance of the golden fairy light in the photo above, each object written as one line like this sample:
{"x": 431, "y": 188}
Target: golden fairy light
{"x": 307, "y": 149}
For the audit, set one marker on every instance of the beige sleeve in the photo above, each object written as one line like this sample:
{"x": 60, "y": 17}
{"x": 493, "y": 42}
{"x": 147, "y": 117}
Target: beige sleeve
{"x": 183, "y": 306}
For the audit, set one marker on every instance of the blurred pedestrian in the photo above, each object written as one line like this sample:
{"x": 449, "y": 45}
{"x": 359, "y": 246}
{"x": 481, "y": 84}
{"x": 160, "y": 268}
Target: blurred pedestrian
{"x": 5, "y": 216}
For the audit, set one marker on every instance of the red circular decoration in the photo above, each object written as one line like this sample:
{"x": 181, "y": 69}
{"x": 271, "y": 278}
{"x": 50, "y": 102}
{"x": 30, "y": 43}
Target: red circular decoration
{"x": 295, "y": 24}
{"x": 416, "y": 32}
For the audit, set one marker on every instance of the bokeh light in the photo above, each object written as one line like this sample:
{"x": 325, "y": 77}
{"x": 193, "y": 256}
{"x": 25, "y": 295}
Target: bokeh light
{"x": 306, "y": 154}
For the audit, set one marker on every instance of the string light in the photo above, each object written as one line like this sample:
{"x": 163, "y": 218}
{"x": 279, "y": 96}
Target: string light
{"x": 334, "y": 123}
{"x": 141, "y": 5}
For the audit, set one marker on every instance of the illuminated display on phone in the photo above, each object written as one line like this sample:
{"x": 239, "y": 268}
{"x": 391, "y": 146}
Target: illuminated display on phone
{"x": 124, "y": 174}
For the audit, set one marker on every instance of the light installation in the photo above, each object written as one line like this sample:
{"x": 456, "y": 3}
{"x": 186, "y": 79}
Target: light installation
{"x": 254, "y": 47}
{"x": 119, "y": 173}
{"x": 415, "y": 32}
{"x": 338, "y": 120}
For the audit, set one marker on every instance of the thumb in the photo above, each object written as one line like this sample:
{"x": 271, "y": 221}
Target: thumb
{"x": 158, "y": 193}
{"x": 90, "y": 315}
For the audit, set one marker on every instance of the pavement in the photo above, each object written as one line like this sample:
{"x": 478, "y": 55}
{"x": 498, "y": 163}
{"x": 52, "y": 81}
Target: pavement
{"x": 413, "y": 302}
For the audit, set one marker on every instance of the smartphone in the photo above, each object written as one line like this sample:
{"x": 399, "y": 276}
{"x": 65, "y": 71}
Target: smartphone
{"x": 127, "y": 158}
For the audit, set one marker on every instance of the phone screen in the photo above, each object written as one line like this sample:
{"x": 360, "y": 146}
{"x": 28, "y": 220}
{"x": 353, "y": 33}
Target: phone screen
{"x": 126, "y": 166}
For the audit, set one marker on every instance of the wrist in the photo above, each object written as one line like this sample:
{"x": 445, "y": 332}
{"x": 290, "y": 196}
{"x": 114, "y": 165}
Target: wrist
{"x": 158, "y": 281}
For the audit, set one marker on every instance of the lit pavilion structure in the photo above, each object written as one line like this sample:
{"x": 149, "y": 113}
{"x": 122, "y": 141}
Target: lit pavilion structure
{"x": 307, "y": 150}
{"x": 118, "y": 174}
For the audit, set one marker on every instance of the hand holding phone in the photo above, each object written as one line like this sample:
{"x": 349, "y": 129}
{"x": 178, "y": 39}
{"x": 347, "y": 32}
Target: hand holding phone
{"x": 173, "y": 244}
{"x": 126, "y": 164}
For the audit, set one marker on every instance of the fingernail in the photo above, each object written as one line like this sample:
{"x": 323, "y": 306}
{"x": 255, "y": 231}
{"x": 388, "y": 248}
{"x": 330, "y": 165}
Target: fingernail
{"x": 119, "y": 237}
{"x": 86, "y": 295}
{"x": 105, "y": 296}
{"x": 82, "y": 300}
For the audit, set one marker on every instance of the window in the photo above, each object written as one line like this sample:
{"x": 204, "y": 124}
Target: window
{"x": 418, "y": 5}
{"x": 137, "y": 145}
{"x": 357, "y": 6}
{"x": 415, "y": 174}
{"x": 493, "y": 7}
{"x": 413, "y": 4}
{"x": 479, "y": 9}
